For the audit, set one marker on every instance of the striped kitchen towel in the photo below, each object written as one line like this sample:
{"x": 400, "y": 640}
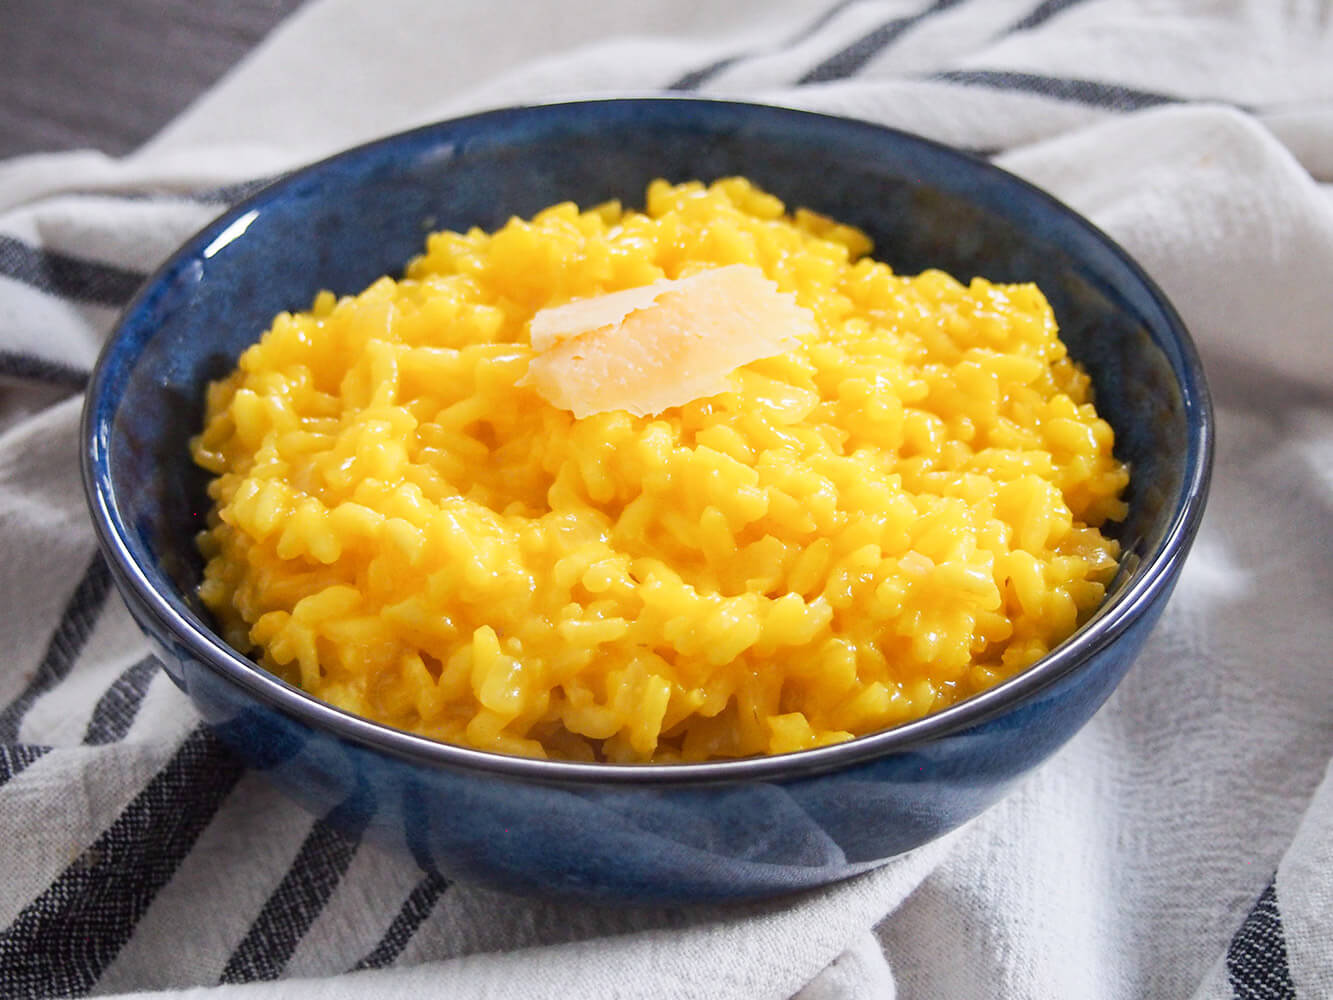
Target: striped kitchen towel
{"x": 1182, "y": 845}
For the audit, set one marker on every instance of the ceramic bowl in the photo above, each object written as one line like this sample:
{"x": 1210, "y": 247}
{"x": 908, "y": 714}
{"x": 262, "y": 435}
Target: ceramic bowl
{"x": 635, "y": 833}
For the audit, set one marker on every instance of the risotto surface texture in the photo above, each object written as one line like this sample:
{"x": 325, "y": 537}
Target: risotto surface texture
{"x": 899, "y": 512}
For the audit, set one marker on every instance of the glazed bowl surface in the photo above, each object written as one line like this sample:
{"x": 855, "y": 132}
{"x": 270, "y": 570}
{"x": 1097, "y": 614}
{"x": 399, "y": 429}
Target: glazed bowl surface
{"x": 635, "y": 833}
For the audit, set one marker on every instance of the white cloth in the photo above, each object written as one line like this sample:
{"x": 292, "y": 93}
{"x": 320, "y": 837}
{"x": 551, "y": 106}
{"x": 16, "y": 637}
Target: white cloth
{"x": 1179, "y": 846}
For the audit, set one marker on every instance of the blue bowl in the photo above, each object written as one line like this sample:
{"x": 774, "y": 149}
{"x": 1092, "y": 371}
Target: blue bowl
{"x": 635, "y": 833}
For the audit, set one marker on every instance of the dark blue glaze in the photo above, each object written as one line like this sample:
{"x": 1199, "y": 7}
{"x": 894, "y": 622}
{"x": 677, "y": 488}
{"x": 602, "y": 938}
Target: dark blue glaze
{"x": 680, "y": 833}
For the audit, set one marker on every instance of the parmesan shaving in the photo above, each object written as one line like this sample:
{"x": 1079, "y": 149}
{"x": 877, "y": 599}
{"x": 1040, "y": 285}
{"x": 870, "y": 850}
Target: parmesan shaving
{"x": 550, "y": 326}
{"x": 645, "y": 350}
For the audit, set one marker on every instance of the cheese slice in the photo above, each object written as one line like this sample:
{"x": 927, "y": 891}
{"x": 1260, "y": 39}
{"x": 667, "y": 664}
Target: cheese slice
{"x": 645, "y": 350}
{"x": 550, "y": 326}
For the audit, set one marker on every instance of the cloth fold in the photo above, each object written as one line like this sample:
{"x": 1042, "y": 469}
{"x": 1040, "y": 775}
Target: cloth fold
{"x": 1179, "y": 846}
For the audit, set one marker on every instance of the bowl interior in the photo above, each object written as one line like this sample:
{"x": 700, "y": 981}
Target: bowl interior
{"x": 344, "y": 222}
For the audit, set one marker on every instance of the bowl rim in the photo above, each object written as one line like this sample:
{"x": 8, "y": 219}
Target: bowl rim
{"x": 1110, "y": 620}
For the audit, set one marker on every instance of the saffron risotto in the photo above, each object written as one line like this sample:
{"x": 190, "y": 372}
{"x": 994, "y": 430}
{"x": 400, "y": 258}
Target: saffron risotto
{"x": 898, "y": 513}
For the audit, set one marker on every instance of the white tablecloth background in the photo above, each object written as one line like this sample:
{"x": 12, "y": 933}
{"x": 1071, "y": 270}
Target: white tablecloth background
{"x": 1182, "y": 845}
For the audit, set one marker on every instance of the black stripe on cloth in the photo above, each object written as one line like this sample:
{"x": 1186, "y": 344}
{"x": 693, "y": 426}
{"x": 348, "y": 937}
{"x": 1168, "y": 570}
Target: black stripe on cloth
{"x": 222, "y": 194}
{"x": 302, "y": 894}
{"x": 1257, "y": 956}
{"x": 30, "y": 368}
{"x": 229, "y": 194}
{"x": 14, "y": 757}
{"x": 1111, "y": 96}
{"x": 853, "y": 57}
{"x": 76, "y": 624}
{"x": 416, "y": 908}
{"x": 68, "y": 277}
{"x": 695, "y": 79}
{"x": 116, "y": 709}
{"x": 63, "y": 940}
{"x": 1043, "y": 13}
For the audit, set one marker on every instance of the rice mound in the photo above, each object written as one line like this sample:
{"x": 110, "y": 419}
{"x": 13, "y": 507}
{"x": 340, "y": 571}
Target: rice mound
{"x": 901, "y": 511}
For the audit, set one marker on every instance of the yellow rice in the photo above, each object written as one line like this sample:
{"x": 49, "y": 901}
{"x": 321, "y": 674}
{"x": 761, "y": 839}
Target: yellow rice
{"x": 899, "y": 513}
